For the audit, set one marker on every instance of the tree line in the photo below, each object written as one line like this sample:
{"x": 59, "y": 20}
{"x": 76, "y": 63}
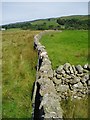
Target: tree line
{"x": 73, "y": 23}
{"x": 62, "y": 23}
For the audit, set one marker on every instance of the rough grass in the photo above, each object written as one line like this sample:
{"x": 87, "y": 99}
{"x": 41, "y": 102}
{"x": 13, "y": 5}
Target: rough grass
{"x": 76, "y": 108}
{"x": 19, "y": 61}
{"x": 0, "y": 74}
{"x": 67, "y": 46}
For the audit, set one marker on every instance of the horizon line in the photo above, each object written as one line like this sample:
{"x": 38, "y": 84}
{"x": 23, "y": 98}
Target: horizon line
{"x": 43, "y": 19}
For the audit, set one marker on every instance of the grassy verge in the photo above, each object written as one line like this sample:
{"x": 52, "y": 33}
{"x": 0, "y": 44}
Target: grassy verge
{"x": 67, "y": 46}
{"x": 19, "y": 61}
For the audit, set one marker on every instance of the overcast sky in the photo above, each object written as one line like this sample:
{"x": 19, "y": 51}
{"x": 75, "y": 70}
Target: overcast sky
{"x": 27, "y": 11}
{"x": 45, "y": 0}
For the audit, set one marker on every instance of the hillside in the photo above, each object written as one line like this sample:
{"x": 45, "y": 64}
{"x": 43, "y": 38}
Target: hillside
{"x": 66, "y": 22}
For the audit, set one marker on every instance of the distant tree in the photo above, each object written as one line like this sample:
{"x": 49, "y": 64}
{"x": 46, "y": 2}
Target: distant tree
{"x": 49, "y": 19}
{"x": 44, "y": 23}
{"x": 61, "y": 21}
{"x": 51, "y": 26}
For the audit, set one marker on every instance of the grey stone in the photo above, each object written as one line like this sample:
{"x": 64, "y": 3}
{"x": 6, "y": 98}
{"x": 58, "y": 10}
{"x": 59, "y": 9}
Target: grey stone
{"x": 67, "y": 67}
{"x": 62, "y": 88}
{"x": 75, "y": 97}
{"x": 45, "y": 68}
{"x": 41, "y": 48}
{"x": 59, "y": 69}
{"x": 68, "y": 76}
{"x": 43, "y": 54}
{"x": 89, "y": 66}
{"x": 85, "y": 85}
{"x": 43, "y": 75}
{"x": 85, "y": 66}
{"x": 85, "y": 78}
{"x": 78, "y": 86}
{"x": 85, "y": 71}
{"x": 54, "y": 73}
{"x": 79, "y": 69}
{"x": 71, "y": 87}
{"x": 46, "y": 86}
{"x": 56, "y": 81}
{"x": 63, "y": 72}
{"x": 79, "y": 75}
{"x": 66, "y": 81}
{"x": 89, "y": 84}
{"x": 58, "y": 76}
{"x": 74, "y": 69}
{"x": 46, "y": 61}
{"x": 67, "y": 71}
{"x": 51, "y": 106}
{"x": 74, "y": 81}
{"x": 50, "y": 74}
{"x": 71, "y": 69}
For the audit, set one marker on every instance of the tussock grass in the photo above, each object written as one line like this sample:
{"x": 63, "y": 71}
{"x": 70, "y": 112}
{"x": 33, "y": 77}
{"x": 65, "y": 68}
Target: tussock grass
{"x": 76, "y": 108}
{"x": 67, "y": 46}
{"x": 19, "y": 61}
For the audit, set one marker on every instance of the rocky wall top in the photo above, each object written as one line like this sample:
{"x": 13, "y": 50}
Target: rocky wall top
{"x": 45, "y": 98}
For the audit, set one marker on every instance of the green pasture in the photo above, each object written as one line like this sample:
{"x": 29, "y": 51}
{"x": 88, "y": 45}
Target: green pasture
{"x": 67, "y": 46}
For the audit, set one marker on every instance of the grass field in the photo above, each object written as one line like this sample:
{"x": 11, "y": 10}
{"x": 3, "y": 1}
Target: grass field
{"x": 67, "y": 46}
{"x": 47, "y": 22}
{"x": 19, "y": 61}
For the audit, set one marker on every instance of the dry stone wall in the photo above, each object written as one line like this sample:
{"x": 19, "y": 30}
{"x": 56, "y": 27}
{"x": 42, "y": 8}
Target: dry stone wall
{"x": 72, "y": 80}
{"x": 45, "y": 99}
{"x": 53, "y": 85}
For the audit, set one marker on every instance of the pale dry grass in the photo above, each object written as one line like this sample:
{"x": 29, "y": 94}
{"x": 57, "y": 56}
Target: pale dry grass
{"x": 19, "y": 61}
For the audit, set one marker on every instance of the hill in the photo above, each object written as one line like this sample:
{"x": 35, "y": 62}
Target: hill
{"x": 66, "y": 22}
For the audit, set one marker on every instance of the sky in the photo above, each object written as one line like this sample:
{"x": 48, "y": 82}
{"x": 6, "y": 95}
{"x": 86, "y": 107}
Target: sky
{"x": 26, "y": 11}
{"x": 45, "y": 0}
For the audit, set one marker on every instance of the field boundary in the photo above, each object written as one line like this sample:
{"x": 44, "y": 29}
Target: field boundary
{"x": 53, "y": 85}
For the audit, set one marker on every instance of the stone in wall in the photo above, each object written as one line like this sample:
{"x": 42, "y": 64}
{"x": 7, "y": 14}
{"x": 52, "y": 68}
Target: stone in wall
{"x": 71, "y": 78}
